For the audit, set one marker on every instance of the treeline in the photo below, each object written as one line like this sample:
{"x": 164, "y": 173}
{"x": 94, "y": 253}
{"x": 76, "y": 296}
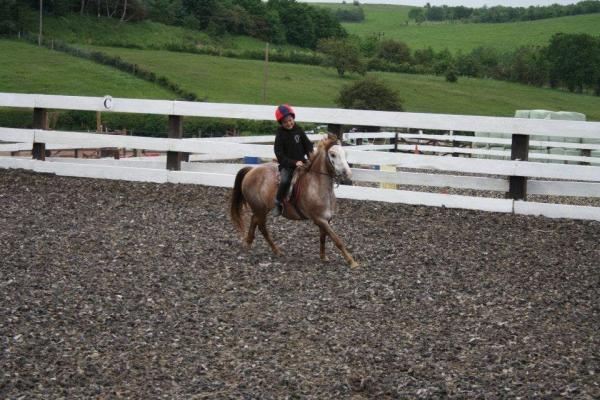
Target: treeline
{"x": 276, "y": 21}
{"x": 570, "y": 61}
{"x": 501, "y": 13}
{"x": 354, "y": 14}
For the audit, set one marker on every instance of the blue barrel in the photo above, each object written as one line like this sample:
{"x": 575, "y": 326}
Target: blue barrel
{"x": 251, "y": 160}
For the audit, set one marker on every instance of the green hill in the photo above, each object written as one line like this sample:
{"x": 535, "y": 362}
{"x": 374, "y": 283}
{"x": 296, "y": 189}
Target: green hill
{"x": 384, "y": 21}
{"x": 241, "y": 81}
{"x": 31, "y": 69}
{"x": 391, "y": 22}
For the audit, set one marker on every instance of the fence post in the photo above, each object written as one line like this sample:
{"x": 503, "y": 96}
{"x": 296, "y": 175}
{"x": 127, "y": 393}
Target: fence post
{"x": 40, "y": 121}
{"x": 336, "y": 129}
{"x": 519, "y": 150}
{"x": 175, "y": 132}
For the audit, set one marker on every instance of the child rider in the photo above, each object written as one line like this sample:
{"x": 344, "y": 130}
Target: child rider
{"x": 292, "y": 148}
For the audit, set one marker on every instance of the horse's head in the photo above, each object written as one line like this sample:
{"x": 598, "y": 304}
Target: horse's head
{"x": 336, "y": 156}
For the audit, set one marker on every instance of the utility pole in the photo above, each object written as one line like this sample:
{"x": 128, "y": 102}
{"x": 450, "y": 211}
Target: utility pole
{"x": 40, "y": 35}
{"x": 266, "y": 74}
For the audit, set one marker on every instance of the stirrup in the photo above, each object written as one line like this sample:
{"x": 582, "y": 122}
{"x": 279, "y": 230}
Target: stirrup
{"x": 277, "y": 210}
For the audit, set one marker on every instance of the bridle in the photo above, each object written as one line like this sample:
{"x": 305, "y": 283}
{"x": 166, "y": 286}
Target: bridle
{"x": 337, "y": 178}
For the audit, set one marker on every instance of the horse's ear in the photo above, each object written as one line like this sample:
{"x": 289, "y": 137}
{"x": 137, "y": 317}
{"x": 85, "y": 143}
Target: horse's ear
{"x": 331, "y": 136}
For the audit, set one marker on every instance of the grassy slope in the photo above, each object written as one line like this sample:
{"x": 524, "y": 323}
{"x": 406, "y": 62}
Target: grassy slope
{"x": 110, "y": 32}
{"x": 107, "y": 31}
{"x": 237, "y": 81}
{"x": 392, "y": 19}
{"x": 29, "y": 69}
{"x": 240, "y": 81}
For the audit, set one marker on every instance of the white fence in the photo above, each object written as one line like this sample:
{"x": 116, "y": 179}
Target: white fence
{"x": 516, "y": 176}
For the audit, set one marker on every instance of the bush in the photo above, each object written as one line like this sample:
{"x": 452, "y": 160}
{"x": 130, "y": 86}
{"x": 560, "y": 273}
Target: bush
{"x": 378, "y": 64}
{"x": 451, "y": 75}
{"x": 394, "y": 51}
{"x": 369, "y": 93}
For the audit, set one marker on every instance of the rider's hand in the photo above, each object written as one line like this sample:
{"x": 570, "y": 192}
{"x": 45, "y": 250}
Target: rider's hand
{"x": 299, "y": 163}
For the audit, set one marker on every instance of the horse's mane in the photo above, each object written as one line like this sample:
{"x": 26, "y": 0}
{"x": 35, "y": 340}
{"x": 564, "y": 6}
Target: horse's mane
{"x": 323, "y": 145}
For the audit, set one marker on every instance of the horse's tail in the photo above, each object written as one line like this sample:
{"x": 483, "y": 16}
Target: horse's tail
{"x": 238, "y": 200}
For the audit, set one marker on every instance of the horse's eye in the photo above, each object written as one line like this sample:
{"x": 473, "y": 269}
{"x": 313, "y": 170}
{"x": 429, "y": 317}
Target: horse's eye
{"x": 332, "y": 155}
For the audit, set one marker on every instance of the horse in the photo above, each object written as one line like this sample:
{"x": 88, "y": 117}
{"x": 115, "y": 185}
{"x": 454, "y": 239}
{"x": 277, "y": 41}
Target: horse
{"x": 315, "y": 200}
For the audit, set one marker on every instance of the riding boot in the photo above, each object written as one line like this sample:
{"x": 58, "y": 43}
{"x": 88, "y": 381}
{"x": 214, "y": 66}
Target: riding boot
{"x": 285, "y": 176}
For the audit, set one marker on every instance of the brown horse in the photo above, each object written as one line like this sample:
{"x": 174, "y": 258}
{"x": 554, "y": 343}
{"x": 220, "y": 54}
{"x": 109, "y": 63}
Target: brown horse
{"x": 256, "y": 187}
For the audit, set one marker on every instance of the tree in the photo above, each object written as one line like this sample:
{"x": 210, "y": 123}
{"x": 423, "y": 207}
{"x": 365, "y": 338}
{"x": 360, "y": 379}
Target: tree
{"x": 467, "y": 65}
{"x": 343, "y": 55}
{"x": 369, "y": 93}
{"x": 164, "y": 11}
{"x": 424, "y": 56}
{"x": 487, "y": 60}
{"x": 274, "y": 30}
{"x": 443, "y": 61}
{"x": 326, "y": 25}
{"x": 9, "y": 16}
{"x": 574, "y": 60}
{"x": 417, "y": 14}
{"x": 355, "y": 14}
{"x": 528, "y": 65}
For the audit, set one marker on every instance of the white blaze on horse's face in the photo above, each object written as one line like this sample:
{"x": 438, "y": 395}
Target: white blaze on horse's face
{"x": 337, "y": 155}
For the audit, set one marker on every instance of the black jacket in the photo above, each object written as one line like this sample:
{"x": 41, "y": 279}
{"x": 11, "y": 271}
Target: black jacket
{"x": 291, "y": 146}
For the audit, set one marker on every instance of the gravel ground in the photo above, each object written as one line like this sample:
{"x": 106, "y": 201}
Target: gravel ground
{"x": 116, "y": 289}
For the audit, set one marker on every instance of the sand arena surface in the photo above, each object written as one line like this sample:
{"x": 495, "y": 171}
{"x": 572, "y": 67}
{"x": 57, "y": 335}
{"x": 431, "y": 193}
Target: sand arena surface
{"x": 118, "y": 289}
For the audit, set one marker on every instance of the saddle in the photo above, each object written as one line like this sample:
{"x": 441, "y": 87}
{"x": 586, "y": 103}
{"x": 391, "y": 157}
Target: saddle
{"x": 293, "y": 194}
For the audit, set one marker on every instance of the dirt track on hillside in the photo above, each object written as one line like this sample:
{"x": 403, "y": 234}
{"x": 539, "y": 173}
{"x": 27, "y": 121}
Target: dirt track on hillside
{"x": 117, "y": 289}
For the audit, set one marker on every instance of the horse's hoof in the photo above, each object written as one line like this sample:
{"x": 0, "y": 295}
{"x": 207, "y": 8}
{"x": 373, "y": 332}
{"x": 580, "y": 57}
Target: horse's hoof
{"x": 324, "y": 259}
{"x": 353, "y": 264}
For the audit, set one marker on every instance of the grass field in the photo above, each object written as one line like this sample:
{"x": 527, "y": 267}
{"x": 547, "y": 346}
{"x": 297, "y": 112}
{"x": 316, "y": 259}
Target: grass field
{"x": 391, "y": 22}
{"x": 378, "y": 17}
{"x": 241, "y": 81}
{"x": 466, "y": 37}
{"x": 31, "y": 69}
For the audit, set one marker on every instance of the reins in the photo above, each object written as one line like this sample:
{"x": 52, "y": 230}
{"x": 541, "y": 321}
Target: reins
{"x": 309, "y": 169}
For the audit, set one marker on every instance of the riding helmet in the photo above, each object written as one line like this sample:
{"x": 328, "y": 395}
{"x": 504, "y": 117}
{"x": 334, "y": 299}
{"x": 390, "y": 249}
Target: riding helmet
{"x": 283, "y": 111}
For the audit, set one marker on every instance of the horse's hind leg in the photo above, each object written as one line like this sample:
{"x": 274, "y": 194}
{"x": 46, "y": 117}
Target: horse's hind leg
{"x": 251, "y": 230}
{"x": 262, "y": 226}
{"x": 322, "y": 241}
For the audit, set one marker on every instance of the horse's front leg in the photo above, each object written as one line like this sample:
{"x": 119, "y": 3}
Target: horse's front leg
{"x": 323, "y": 224}
{"x": 323, "y": 238}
